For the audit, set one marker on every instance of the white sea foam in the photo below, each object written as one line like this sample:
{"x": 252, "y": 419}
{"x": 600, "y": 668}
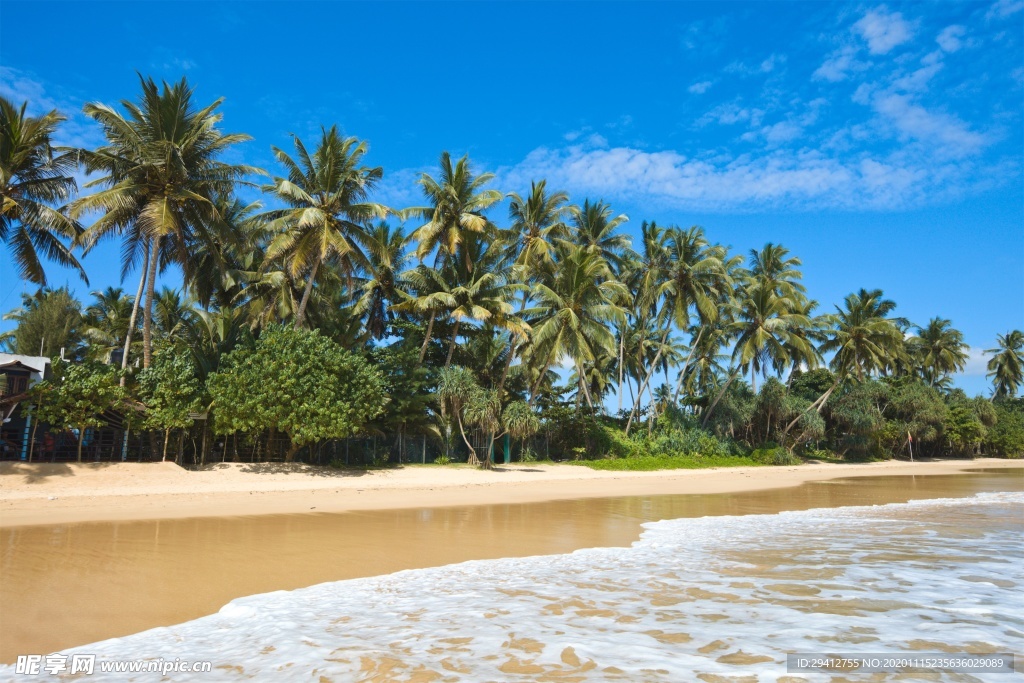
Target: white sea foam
{"x": 692, "y": 599}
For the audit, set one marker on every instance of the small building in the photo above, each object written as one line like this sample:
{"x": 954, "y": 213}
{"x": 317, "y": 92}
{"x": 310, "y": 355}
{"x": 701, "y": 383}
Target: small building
{"x": 17, "y": 375}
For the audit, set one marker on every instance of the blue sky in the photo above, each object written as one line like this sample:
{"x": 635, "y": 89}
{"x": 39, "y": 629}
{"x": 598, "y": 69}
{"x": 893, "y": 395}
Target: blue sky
{"x": 881, "y": 143}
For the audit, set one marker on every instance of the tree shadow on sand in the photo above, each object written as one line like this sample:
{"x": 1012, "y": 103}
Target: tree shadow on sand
{"x": 36, "y": 472}
{"x": 283, "y": 468}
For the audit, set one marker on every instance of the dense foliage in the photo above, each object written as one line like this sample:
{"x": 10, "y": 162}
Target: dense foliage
{"x": 318, "y": 313}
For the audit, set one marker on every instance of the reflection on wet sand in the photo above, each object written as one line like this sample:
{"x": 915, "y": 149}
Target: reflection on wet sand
{"x": 67, "y": 585}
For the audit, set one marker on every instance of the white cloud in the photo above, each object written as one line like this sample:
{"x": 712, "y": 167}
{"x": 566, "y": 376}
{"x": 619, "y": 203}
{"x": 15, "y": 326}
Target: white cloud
{"x": 731, "y": 113}
{"x": 798, "y": 179}
{"x": 949, "y": 136}
{"x": 1004, "y": 8}
{"x": 839, "y": 64}
{"x": 949, "y": 39}
{"x": 700, "y": 88}
{"x": 883, "y": 30}
{"x": 977, "y": 362}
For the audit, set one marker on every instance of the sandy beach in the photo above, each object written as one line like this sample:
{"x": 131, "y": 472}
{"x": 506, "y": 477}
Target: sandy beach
{"x": 67, "y": 493}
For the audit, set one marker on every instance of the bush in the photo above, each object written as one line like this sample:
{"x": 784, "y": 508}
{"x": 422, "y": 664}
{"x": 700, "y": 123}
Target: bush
{"x": 1006, "y": 437}
{"x": 775, "y": 456}
{"x": 442, "y": 460}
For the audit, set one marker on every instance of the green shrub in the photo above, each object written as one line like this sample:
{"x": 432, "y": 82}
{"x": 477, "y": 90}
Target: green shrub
{"x": 442, "y": 460}
{"x": 775, "y": 455}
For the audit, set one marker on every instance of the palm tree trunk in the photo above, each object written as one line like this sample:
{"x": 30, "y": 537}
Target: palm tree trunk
{"x": 451, "y": 346}
{"x": 707, "y": 413}
{"x": 622, "y": 351}
{"x": 426, "y": 338}
{"x": 135, "y": 315}
{"x": 647, "y": 379}
{"x": 501, "y": 384}
{"x": 147, "y": 322}
{"x": 301, "y": 314}
{"x": 472, "y": 460}
{"x": 817, "y": 405}
{"x": 583, "y": 385}
{"x": 686, "y": 364}
{"x": 81, "y": 438}
{"x": 167, "y": 439}
{"x": 540, "y": 378}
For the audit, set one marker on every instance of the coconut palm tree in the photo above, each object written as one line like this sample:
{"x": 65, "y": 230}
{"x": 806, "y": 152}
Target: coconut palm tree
{"x": 381, "y": 284}
{"x": 763, "y": 328}
{"x": 35, "y": 176}
{"x": 1006, "y": 367}
{"x": 772, "y": 270}
{"x": 326, "y": 196}
{"x": 939, "y": 350}
{"x": 106, "y": 321}
{"x": 864, "y": 340}
{"x": 457, "y": 202}
{"x": 694, "y": 281}
{"x": 593, "y": 227}
{"x": 160, "y": 172}
{"x": 574, "y": 306}
{"x": 537, "y": 221}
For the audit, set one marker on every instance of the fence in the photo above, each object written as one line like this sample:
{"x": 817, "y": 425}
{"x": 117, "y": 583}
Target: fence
{"x": 197, "y": 445}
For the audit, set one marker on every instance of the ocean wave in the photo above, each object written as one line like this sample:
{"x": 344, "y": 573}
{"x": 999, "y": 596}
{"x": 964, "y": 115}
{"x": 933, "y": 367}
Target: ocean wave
{"x": 692, "y": 599}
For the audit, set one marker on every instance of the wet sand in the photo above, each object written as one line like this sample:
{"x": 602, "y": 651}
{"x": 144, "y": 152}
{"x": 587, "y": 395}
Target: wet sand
{"x": 69, "y": 584}
{"x": 70, "y": 492}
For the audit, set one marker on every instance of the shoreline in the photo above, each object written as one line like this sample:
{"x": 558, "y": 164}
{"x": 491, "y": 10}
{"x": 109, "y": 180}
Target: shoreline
{"x": 40, "y": 494}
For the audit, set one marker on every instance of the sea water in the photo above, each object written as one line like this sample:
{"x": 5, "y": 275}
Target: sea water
{"x": 712, "y": 599}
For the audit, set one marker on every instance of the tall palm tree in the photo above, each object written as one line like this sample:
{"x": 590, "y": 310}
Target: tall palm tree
{"x": 595, "y": 228}
{"x": 772, "y": 270}
{"x": 106, "y": 321}
{"x": 694, "y": 281}
{"x": 160, "y": 172}
{"x": 1006, "y": 367}
{"x": 939, "y": 350}
{"x": 381, "y": 284}
{"x": 457, "y": 204}
{"x": 34, "y": 177}
{"x": 764, "y": 328}
{"x": 574, "y": 306}
{"x": 537, "y": 221}
{"x": 327, "y": 208}
{"x": 864, "y": 339}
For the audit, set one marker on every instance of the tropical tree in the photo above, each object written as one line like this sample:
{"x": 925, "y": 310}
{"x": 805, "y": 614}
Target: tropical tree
{"x": 764, "y": 328}
{"x": 35, "y": 179}
{"x": 574, "y": 306}
{"x": 938, "y": 350}
{"x": 106, "y": 321}
{"x": 48, "y": 322}
{"x": 1006, "y": 367}
{"x": 382, "y": 284}
{"x": 537, "y": 221}
{"x": 326, "y": 196}
{"x": 593, "y": 227}
{"x": 296, "y": 382}
{"x": 160, "y": 171}
{"x": 457, "y": 202}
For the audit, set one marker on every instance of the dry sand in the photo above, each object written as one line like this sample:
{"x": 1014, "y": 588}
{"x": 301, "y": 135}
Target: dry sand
{"x": 63, "y": 493}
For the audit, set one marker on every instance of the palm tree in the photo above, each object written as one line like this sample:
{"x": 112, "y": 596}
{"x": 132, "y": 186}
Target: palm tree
{"x": 939, "y": 349}
{"x": 573, "y": 309}
{"x": 1006, "y": 367}
{"x": 326, "y": 211}
{"x": 864, "y": 340}
{"x": 772, "y": 270}
{"x": 35, "y": 175}
{"x": 382, "y": 286}
{"x": 695, "y": 280}
{"x": 593, "y": 227}
{"x": 161, "y": 173}
{"x": 764, "y": 328}
{"x": 457, "y": 204}
{"x": 106, "y": 321}
{"x": 537, "y": 221}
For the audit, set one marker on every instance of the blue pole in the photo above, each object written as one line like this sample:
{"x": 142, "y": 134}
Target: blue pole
{"x": 25, "y": 439}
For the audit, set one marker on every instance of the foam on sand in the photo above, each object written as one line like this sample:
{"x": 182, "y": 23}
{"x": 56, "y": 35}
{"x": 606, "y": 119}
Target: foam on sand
{"x": 693, "y": 598}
